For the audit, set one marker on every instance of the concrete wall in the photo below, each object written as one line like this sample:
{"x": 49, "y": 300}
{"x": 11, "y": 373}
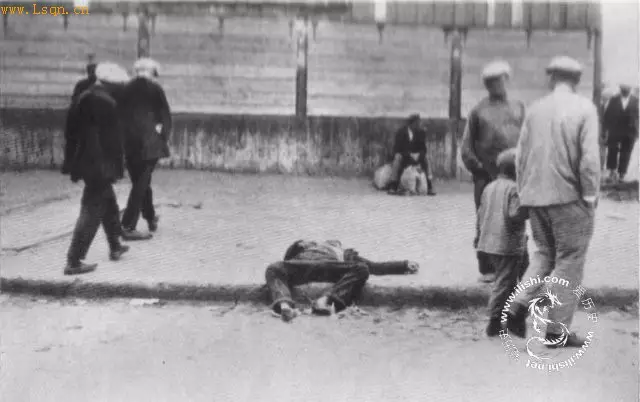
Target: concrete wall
{"x": 321, "y": 145}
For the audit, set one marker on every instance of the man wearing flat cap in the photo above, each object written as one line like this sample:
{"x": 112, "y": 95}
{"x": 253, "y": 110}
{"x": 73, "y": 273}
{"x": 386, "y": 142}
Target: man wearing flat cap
{"x": 493, "y": 126}
{"x": 94, "y": 154}
{"x": 147, "y": 120}
{"x": 558, "y": 177}
{"x": 410, "y": 148}
{"x": 621, "y": 128}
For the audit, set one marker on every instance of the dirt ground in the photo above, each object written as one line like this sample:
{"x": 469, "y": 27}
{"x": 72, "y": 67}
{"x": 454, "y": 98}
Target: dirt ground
{"x": 78, "y": 350}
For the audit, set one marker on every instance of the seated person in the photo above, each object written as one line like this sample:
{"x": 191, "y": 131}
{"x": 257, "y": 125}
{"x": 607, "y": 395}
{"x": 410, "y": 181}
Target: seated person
{"x": 410, "y": 148}
{"x": 310, "y": 261}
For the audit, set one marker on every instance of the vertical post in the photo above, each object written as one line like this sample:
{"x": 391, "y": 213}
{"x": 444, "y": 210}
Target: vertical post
{"x": 144, "y": 40}
{"x": 455, "y": 97}
{"x": 125, "y": 18}
{"x": 597, "y": 66}
{"x": 5, "y": 24}
{"x": 302, "y": 52}
{"x": 65, "y": 21}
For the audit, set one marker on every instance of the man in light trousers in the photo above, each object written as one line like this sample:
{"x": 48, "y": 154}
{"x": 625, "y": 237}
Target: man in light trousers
{"x": 558, "y": 176}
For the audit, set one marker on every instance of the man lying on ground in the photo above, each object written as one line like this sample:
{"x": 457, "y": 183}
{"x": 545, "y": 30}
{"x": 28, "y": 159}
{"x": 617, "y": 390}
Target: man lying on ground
{"x": 310, "y": 261}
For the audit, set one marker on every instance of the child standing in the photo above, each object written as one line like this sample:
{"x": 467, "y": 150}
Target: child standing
{"x": 502, "y": 235}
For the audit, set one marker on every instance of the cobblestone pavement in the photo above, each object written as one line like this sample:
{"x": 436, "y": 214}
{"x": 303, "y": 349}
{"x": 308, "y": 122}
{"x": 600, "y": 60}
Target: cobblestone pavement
{"x": 77, "y": 350}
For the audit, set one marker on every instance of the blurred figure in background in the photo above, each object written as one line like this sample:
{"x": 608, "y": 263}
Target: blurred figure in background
{"x": 621, "y": 127}
{"x": 85, "y": 83}
{"x": 147, "y": 120}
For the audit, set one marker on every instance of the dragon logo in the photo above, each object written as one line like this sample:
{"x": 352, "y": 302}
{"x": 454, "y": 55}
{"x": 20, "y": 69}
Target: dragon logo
{"x": 538, "y": 308}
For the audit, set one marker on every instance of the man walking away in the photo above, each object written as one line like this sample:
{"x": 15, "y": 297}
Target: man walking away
{"x": 310, "y": 261}
{"x": 147, "y": 120}
{"x": 558, "y": 176}
{"x": 493, "y": 126}
{"x": 93, "y": 153}
{"x": 621, "y": 125}
{"x": 410, "y": 148}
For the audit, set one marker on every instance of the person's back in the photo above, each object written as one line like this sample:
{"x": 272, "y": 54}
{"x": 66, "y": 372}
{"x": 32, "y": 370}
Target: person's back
{"x": 558, "y": 130}
{"x": 501, "y": 222}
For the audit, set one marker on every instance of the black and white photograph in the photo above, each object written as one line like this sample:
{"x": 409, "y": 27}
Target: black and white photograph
{"x": 320, "y": 200}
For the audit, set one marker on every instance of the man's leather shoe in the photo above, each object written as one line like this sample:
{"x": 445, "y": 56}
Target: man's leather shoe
{"x": 517, "y": 320}
{"x": 134, "y": 235}
{"x": 573, "y": 341}
{"x": 79, "y": 268}
{"x": 116, "y": 254}
{"x": 287, "y": 313}
{"x": 153, "y": 224}
{"x": 321, "y": 306}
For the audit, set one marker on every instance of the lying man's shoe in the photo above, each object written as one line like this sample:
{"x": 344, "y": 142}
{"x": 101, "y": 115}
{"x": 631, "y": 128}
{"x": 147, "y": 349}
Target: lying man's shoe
{"x": 79, "y": 268}
{"x": 116, "y": 254}
{"x": 573, "y": 341}
{"x": 134, "y": 235}
{"x": 287, "y": 313}
{"x": 321, "y": 306}
{"x": 153, "y": 224}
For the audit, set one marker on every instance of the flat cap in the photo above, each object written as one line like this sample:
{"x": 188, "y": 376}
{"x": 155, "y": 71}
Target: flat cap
{"x": 495, "y": 69}
{"x": 565, "y": 64}
{"x": 610, "y": 91}
{"x": 111, "y": 72}
{"x": 146, "y": 64}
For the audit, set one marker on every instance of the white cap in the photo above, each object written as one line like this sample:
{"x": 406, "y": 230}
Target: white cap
{"x": 111, "y": 72}
{"x": 145, "y": 65}
{"x": 610, "y": 91}
{"x": 565, "y": 64}
{"x": 496, "y": 69}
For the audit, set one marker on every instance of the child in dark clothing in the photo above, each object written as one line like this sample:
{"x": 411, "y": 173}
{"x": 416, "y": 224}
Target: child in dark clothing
{"x": 502, "y": 236}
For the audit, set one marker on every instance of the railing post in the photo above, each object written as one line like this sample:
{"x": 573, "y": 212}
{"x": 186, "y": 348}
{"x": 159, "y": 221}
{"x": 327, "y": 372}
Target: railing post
{"x": 455, "y": 97}
{"x": 144, "y": 38}
{"x": 302, "y": 52}
{"x": 5, "y": 24}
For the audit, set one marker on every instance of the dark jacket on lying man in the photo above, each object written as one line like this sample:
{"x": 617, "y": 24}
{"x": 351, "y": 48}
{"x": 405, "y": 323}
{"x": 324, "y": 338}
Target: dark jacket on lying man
{"x": 311, "y": 261}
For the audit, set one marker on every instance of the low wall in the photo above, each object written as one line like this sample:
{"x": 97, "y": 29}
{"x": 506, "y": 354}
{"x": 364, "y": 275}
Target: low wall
{"x": 319, "y": 145}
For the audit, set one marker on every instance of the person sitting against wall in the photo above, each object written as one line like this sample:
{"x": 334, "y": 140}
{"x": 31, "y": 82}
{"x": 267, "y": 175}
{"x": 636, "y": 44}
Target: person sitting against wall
{"x": 410, "y": 148}
{"x": 308, "y": 261}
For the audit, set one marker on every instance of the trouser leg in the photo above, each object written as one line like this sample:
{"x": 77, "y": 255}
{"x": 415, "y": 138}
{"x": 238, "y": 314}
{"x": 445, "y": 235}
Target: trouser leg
{"x": 626, "y": 148}
{"x": 91, "y": 213}
{"x": 111, "y": 219}
{"x": 148, "y": 210}
{"x": 140, "y": 177}
{"x": 573, "y": 226}
{"x": 508, "y": 271}
{"x": 426, "y": 167}
{"x": 613, "y": 148}
{"x": 479, "y": 184}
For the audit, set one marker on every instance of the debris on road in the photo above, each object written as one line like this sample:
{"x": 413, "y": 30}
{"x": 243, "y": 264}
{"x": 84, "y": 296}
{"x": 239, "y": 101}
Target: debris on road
{"x": 145, "y": 302}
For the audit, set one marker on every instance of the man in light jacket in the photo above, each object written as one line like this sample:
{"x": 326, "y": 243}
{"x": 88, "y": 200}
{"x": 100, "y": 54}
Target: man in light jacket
{"x": 558, "y": 176}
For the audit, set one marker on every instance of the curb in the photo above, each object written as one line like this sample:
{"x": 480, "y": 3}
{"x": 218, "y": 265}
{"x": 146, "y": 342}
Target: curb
{"x": 374, "y": 296}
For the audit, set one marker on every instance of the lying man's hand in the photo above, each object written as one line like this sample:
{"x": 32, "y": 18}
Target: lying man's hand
{"x": 412, "y": 267}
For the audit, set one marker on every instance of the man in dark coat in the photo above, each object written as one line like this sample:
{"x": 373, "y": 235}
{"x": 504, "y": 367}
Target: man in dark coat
{"x": 410, "y": 148}
{"x": 85, "y": 83}
{"x": 621, "y": 126}
{"x": 493, "y": 126}
{"x": 94, "y": 154}
{"x": 308, "y": 261}
{"x": 147, "y": 120}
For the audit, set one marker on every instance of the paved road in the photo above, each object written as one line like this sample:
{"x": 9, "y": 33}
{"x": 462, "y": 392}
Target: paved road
{"x": 73, "y": 350}
{"x": 225, "y": 229}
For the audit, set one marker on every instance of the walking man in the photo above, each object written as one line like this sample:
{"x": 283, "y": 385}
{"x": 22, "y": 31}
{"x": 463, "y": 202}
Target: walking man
{"x": 311, "y": 261}
{"x": 93, "y": 153}
{"x": 493, "y": 126}
{"x": 558, "y": 176}
{"x": 147, "y": 120}
{"x": 410, "y": 148}
{"x": 85, "y": 83}
{"x": 621, "y": 126}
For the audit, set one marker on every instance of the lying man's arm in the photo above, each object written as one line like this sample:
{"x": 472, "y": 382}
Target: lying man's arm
{"x": 383, "y": 268}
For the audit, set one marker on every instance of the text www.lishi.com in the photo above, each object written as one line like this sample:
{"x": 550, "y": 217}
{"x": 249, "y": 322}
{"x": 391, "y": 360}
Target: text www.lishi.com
{"x": 36, "y": 9}
{"x": 523, "y": 285}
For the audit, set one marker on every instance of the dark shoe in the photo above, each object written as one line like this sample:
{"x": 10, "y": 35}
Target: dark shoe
{"x": 287, "y": 313}
{"x": 572, "y": 341}
{"x": 430, "y": 190}
{"x": 431, "y": 193}
{"x": 487, "y": 278}
{"x": 494, "y": 327}
{"x": 134, "y": 235}
{"x": 79, "y": 268}
{"x": 116, "y": 254}
{"x": 321, "y": 306}
{"x": 153, "y": 224}
{"x": 392, "y": 188}
{"x": 517, "y": 321}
